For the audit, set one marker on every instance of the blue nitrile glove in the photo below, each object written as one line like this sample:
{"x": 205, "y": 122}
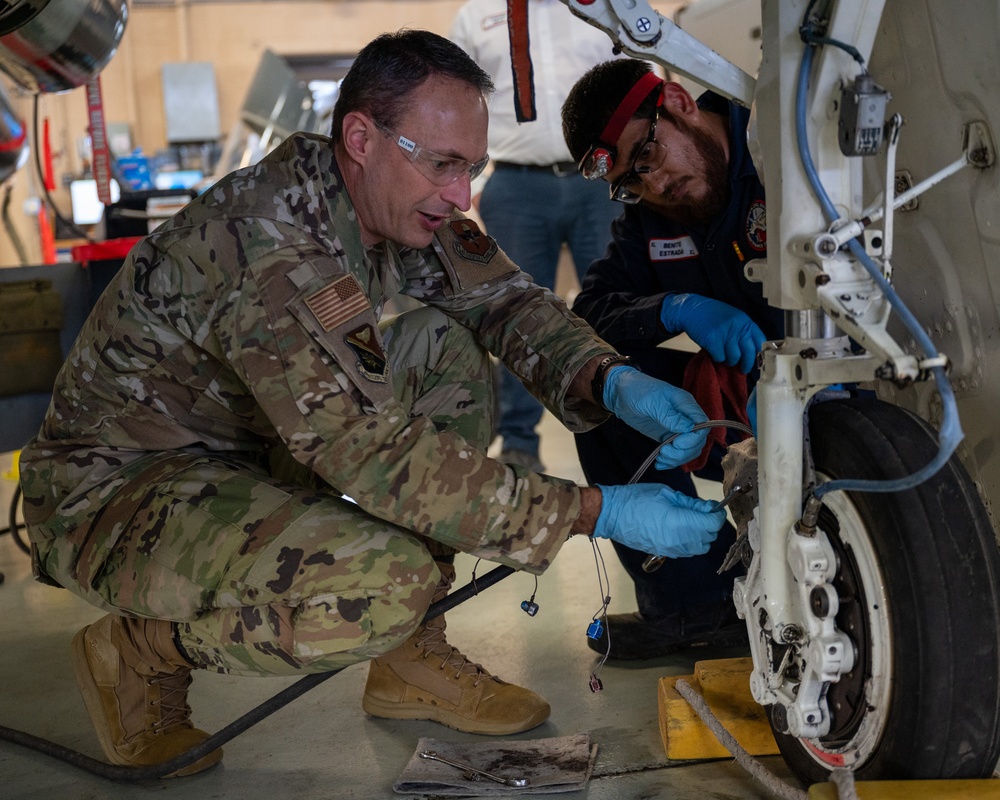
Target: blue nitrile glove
{"x": 729, "y": 335}
{"x": 657, "y": 410}
{"x": 658, "y": 520}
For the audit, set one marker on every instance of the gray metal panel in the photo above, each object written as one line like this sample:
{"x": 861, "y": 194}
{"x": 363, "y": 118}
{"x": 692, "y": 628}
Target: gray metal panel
{"x": 191, "y": 102}
{"x": 277, "y": 101}
{"x": 939, "y": 63}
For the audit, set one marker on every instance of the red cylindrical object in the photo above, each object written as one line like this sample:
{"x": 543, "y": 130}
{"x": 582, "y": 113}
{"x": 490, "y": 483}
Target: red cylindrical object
{"x": 49, "y": 176}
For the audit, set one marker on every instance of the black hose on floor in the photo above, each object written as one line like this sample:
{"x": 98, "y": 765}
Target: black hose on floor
{"x": 234, "y": 729}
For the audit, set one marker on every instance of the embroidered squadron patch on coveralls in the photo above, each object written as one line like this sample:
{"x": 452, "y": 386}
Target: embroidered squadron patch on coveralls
{"x": 757, "y": 226}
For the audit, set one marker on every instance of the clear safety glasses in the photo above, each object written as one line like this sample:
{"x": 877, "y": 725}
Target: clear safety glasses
{"x": 597, "y": 162}
{"x": 629, "y": 188}
{"x": 438, "y": 169}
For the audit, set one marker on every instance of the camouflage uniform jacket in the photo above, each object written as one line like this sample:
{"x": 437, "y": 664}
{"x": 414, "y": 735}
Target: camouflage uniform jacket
{"x": 249, "y": 320}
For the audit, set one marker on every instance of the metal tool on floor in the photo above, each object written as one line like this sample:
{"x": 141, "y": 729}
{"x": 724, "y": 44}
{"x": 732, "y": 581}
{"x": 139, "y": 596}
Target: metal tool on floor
{"x": 545, "y": 766}
{"x": 653, "y": 563}
{"x": 473, "y": 774}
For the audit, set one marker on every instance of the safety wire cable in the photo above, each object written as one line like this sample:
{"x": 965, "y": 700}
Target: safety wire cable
{"x": 712, "y": 423}
{"x": 597, "y": 627}
{"x": 951, "y": 431}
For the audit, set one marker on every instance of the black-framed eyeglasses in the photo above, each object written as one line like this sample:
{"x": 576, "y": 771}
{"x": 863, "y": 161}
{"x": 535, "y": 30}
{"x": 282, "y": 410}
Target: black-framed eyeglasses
{"x": 438, "y": 169}
{"x": 629, "y": 188}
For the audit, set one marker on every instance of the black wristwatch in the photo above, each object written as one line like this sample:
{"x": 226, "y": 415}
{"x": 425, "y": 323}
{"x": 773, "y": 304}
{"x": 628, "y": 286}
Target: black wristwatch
{"x": 601, "y": 373}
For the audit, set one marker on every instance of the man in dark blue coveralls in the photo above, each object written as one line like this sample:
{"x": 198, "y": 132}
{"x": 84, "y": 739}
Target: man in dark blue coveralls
{"x": 694, "y": 215}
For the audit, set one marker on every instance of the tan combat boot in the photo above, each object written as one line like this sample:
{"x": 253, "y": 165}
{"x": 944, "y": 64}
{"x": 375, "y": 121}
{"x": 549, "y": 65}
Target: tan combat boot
{"x": 427, "y": 678}
{"x": 135, "y": 683}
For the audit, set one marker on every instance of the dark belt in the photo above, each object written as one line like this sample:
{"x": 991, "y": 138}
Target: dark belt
{"x": 560, "y": 169}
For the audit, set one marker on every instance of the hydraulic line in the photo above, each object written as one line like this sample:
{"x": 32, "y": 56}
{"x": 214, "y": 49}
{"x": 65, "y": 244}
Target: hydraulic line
{"x": 251, "y": 718}
{"x": 951, "y": 431}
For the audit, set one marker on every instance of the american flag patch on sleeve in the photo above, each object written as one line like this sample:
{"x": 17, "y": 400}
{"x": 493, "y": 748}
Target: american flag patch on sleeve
{"x": 337, "y": 302}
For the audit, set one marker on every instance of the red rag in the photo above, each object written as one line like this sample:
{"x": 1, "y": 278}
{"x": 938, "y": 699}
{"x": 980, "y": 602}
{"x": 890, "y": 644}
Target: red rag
{"x": 722, "y": 393}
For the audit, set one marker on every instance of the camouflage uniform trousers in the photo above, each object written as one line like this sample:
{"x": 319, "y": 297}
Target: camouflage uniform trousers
{"x": 271, "y": 576}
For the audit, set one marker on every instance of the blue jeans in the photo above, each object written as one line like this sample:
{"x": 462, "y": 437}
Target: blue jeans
{"x": 531, "y": 213}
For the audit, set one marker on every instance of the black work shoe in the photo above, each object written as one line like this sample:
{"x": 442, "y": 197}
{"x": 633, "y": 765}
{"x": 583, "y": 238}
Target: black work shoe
{"x": 633, "y": 637}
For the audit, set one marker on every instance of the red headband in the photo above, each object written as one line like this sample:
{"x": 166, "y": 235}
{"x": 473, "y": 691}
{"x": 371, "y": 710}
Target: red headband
{"x": 627, "y": 107}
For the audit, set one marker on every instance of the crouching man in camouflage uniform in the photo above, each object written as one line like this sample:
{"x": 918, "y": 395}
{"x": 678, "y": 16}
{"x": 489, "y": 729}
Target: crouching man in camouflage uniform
{"x": 255, "y": 474}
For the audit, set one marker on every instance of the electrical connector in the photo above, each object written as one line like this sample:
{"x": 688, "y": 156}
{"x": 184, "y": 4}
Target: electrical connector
{"x": 862, "y": 117}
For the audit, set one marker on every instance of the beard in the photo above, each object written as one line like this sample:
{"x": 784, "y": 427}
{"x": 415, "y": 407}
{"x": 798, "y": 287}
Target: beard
{"x": 692, "y": 211}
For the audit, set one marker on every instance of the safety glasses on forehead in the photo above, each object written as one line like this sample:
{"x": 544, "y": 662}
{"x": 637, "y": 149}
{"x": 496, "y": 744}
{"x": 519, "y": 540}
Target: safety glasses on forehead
{"x": 438, "y": 169}
{"x": 599, "y": 160}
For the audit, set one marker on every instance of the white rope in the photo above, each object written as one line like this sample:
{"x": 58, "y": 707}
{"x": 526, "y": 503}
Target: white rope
{"x": 844, "y": 781}
{"x": 757, "y": 770}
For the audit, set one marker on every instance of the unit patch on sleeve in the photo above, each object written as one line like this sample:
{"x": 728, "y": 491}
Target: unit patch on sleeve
{"x": 471, "y": 243}
{"x": 672, "y": 249}
{"x": 367, "y": 346}
{"x": 757, "y": 226}
{"x": 337, "y": 302}
{"x": 470, "y": 258}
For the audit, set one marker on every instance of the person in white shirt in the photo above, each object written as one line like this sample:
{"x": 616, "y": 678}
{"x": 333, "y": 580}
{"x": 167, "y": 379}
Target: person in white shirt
{"x": 535, "y": 200}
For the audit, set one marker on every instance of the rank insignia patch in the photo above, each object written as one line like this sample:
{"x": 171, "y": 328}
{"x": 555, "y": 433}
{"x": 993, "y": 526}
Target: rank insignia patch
{"x": 337, "y": 302}
{"x": 757, "y": 226}
{"x": 372, "y": 362}
{"x": 471, "y": 243}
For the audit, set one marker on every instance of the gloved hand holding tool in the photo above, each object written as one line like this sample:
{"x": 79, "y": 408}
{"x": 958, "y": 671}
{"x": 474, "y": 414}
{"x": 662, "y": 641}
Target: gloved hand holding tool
{"x": 653, "y": 563}
{"x": 658, "y": 410}
{"x": 653, "y": 518}
{"x": 728, "y": 334}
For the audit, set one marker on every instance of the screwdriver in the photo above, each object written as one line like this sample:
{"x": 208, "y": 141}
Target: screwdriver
{"x": 653, "y": 563}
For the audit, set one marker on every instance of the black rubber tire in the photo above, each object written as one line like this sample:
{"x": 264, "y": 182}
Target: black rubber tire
{"x": 940, "y": 567}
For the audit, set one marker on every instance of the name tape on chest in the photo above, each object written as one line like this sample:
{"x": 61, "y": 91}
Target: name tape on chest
{"x": 337, "y": 302}
{"x": 674, "y": 249}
